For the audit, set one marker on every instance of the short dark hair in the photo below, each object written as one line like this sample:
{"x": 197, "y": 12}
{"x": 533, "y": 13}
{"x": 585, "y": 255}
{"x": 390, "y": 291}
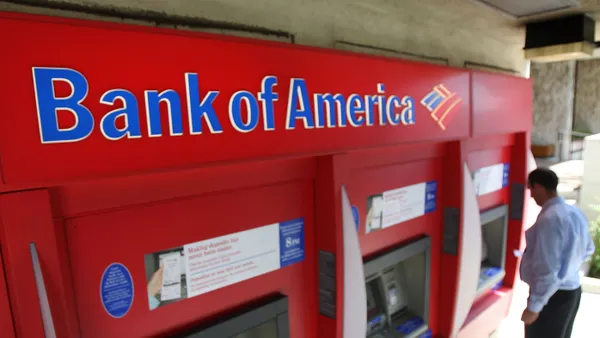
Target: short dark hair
{"x": 544, "y": 177}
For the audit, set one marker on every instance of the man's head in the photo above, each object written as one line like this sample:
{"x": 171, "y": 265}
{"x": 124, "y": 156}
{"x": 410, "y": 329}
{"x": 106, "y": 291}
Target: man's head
{"x": 542, "y": 183}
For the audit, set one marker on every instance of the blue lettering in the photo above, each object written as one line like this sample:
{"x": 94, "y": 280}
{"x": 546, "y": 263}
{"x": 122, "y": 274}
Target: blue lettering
{"x": 48, "y": 105}
{"x": 328, "y": 101}
{"x": 298, "y": 107}
{"x": 198, "y": 109}
{"x": 392, "y": 117}
{"x": 408, "y": 113}
{"x": 129, "y": 112}
{"x": 153, "y": 100}
{"x": 235, "y": 111}
{"x": 355, "y": 105}
{"x": 267, "y": 97}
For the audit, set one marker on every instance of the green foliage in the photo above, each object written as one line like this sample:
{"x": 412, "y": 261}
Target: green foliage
{"x": 595, "y": 259}
{"x": 595, "y": 232}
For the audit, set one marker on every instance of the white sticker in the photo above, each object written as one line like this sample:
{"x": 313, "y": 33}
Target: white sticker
{"x": 171, "y": 279}
{"x": 490, "y": 179}
{"x": 218, "y": 262}
{"x": 400, "y": 205}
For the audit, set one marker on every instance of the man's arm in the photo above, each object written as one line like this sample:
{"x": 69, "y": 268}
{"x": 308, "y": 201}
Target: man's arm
{"x": 546, "y": 264}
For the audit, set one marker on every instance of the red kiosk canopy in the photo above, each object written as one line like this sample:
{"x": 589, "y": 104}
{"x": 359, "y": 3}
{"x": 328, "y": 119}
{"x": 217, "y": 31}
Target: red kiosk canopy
{"x": 83, "y": 99}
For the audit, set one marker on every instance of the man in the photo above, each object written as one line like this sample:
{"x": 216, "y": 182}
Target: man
{"x": 557, "y": 245}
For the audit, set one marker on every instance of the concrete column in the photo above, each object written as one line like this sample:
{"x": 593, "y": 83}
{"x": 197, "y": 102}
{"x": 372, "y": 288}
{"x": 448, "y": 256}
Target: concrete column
{"x": 554, "y": 88}
{"x": 590, "y": 187}
{"x": 587, "y": 104}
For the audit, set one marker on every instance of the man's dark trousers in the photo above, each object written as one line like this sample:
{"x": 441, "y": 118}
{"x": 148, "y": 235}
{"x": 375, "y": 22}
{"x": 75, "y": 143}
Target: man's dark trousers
{"x": 557, "y": 317}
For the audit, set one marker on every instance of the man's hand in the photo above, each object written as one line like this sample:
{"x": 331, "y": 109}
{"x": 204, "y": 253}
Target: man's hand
{"x": 529, "y": 317}
{"x": 155, "y": 283}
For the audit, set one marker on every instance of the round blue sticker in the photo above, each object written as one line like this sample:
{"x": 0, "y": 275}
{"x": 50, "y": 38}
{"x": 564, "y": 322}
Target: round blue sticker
{"x": 356, "y": 216}
{"x": 116, "y": 290}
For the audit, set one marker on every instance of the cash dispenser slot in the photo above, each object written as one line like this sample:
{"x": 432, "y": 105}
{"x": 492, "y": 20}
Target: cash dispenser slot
{"x": 266, "y": 320}
{"x": 494, "y": 224}
{"x": 397, "y": 286}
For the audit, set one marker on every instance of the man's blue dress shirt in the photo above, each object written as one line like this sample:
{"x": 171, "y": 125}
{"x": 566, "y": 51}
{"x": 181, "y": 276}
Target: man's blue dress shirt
{"x": 557, "y": 245}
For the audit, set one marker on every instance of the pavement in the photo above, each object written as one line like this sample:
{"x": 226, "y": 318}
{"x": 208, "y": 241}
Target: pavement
{"x": 586, "y": 322}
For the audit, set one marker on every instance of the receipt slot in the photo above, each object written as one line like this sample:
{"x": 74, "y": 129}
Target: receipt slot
{"x": 397, "y": 284}
{"x": 267, "y": 320}
{"x": 493, "y": 252}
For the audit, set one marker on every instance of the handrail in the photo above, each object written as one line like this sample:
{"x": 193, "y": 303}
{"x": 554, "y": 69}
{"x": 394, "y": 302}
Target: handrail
{"x": 564, "y": 134}
{"x": 574, "y": 133}
{"x": 47, "y": 321}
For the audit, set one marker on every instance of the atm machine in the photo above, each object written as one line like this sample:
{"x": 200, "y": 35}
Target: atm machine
{"x": 267, "y": 320}
{"x": 397, "y": 285}
{"x": 496, "y": 155}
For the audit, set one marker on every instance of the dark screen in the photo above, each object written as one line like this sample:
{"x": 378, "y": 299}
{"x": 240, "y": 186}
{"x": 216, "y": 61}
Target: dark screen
{"x": 265, "y": 330}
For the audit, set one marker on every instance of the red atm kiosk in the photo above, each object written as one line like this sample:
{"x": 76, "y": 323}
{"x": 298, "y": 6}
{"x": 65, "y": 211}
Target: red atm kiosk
{"x": 497, "y": 155}
{"x": 162, "y": 183}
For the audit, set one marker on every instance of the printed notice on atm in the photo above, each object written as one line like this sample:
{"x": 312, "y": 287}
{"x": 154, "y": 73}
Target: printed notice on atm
{"x": 215, "y": 263}
{"x": 400, "y": 205}
{"x": 489, "y": 179}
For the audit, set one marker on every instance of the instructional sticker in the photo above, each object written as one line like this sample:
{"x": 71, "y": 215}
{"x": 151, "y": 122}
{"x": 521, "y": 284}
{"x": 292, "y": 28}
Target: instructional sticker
{"x": 490, "y": 179}
{"x": 197, "y": 268}
{"x": 116, "y": 290}
{"x": 400, "y": 205}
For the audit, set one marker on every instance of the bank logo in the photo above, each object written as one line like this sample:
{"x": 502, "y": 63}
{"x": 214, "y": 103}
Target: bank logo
{"x": 441, "y": 103}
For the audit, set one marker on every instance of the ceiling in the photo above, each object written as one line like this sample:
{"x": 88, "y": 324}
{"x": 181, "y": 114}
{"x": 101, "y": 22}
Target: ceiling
{"x": 525, "y": 8}
{"x": 524, "y": 11}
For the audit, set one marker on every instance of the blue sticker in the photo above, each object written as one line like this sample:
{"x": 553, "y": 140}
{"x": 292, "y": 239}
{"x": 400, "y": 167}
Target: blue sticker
{"x": 291, "y": 242}
{"x": 430, "y": 196}
{"x": 356, "y": 217}
{"x": 505, "y": 175}
{"x": 410, "y": 325}
{"x": 116, "y": 290}
{"x": 427, "y": 334}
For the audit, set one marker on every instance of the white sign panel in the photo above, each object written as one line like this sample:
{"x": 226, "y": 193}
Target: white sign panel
{"x": 218, "y": 262}
{"x": 400, "y": 205}
{"x": 490, "y": 179}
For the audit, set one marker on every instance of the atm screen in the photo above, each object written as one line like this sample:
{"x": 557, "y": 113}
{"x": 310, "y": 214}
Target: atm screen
{"x": 376, "y": 316}
{"x": 392, "y": 296}
{"x": 397, "y": 286}
{"x": 269, "y": 320}
{"x": 265, "y": 330}
{"x": 494, "y": 224}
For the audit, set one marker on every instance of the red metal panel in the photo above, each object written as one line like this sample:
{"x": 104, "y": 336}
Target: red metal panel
{"x": 90, "y": 196}
{"x": 516, "y": 228}
{"x": 26, "y": 218}
{"x": 502, "y": 104}
{"x": 332, "y": 173}
{"x": 116, "y": 56}
{"x": 125, "y": 235}
{"x": 487, "y": 314}
{"x": 456, "y": 155}
{"x": 6, "y": 319}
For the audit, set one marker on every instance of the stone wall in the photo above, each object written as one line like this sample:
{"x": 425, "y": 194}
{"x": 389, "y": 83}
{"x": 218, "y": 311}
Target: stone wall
{"x": 553, "y": 90}
{"x": 454, "y": 32}
{"x": 587, "y": 97}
